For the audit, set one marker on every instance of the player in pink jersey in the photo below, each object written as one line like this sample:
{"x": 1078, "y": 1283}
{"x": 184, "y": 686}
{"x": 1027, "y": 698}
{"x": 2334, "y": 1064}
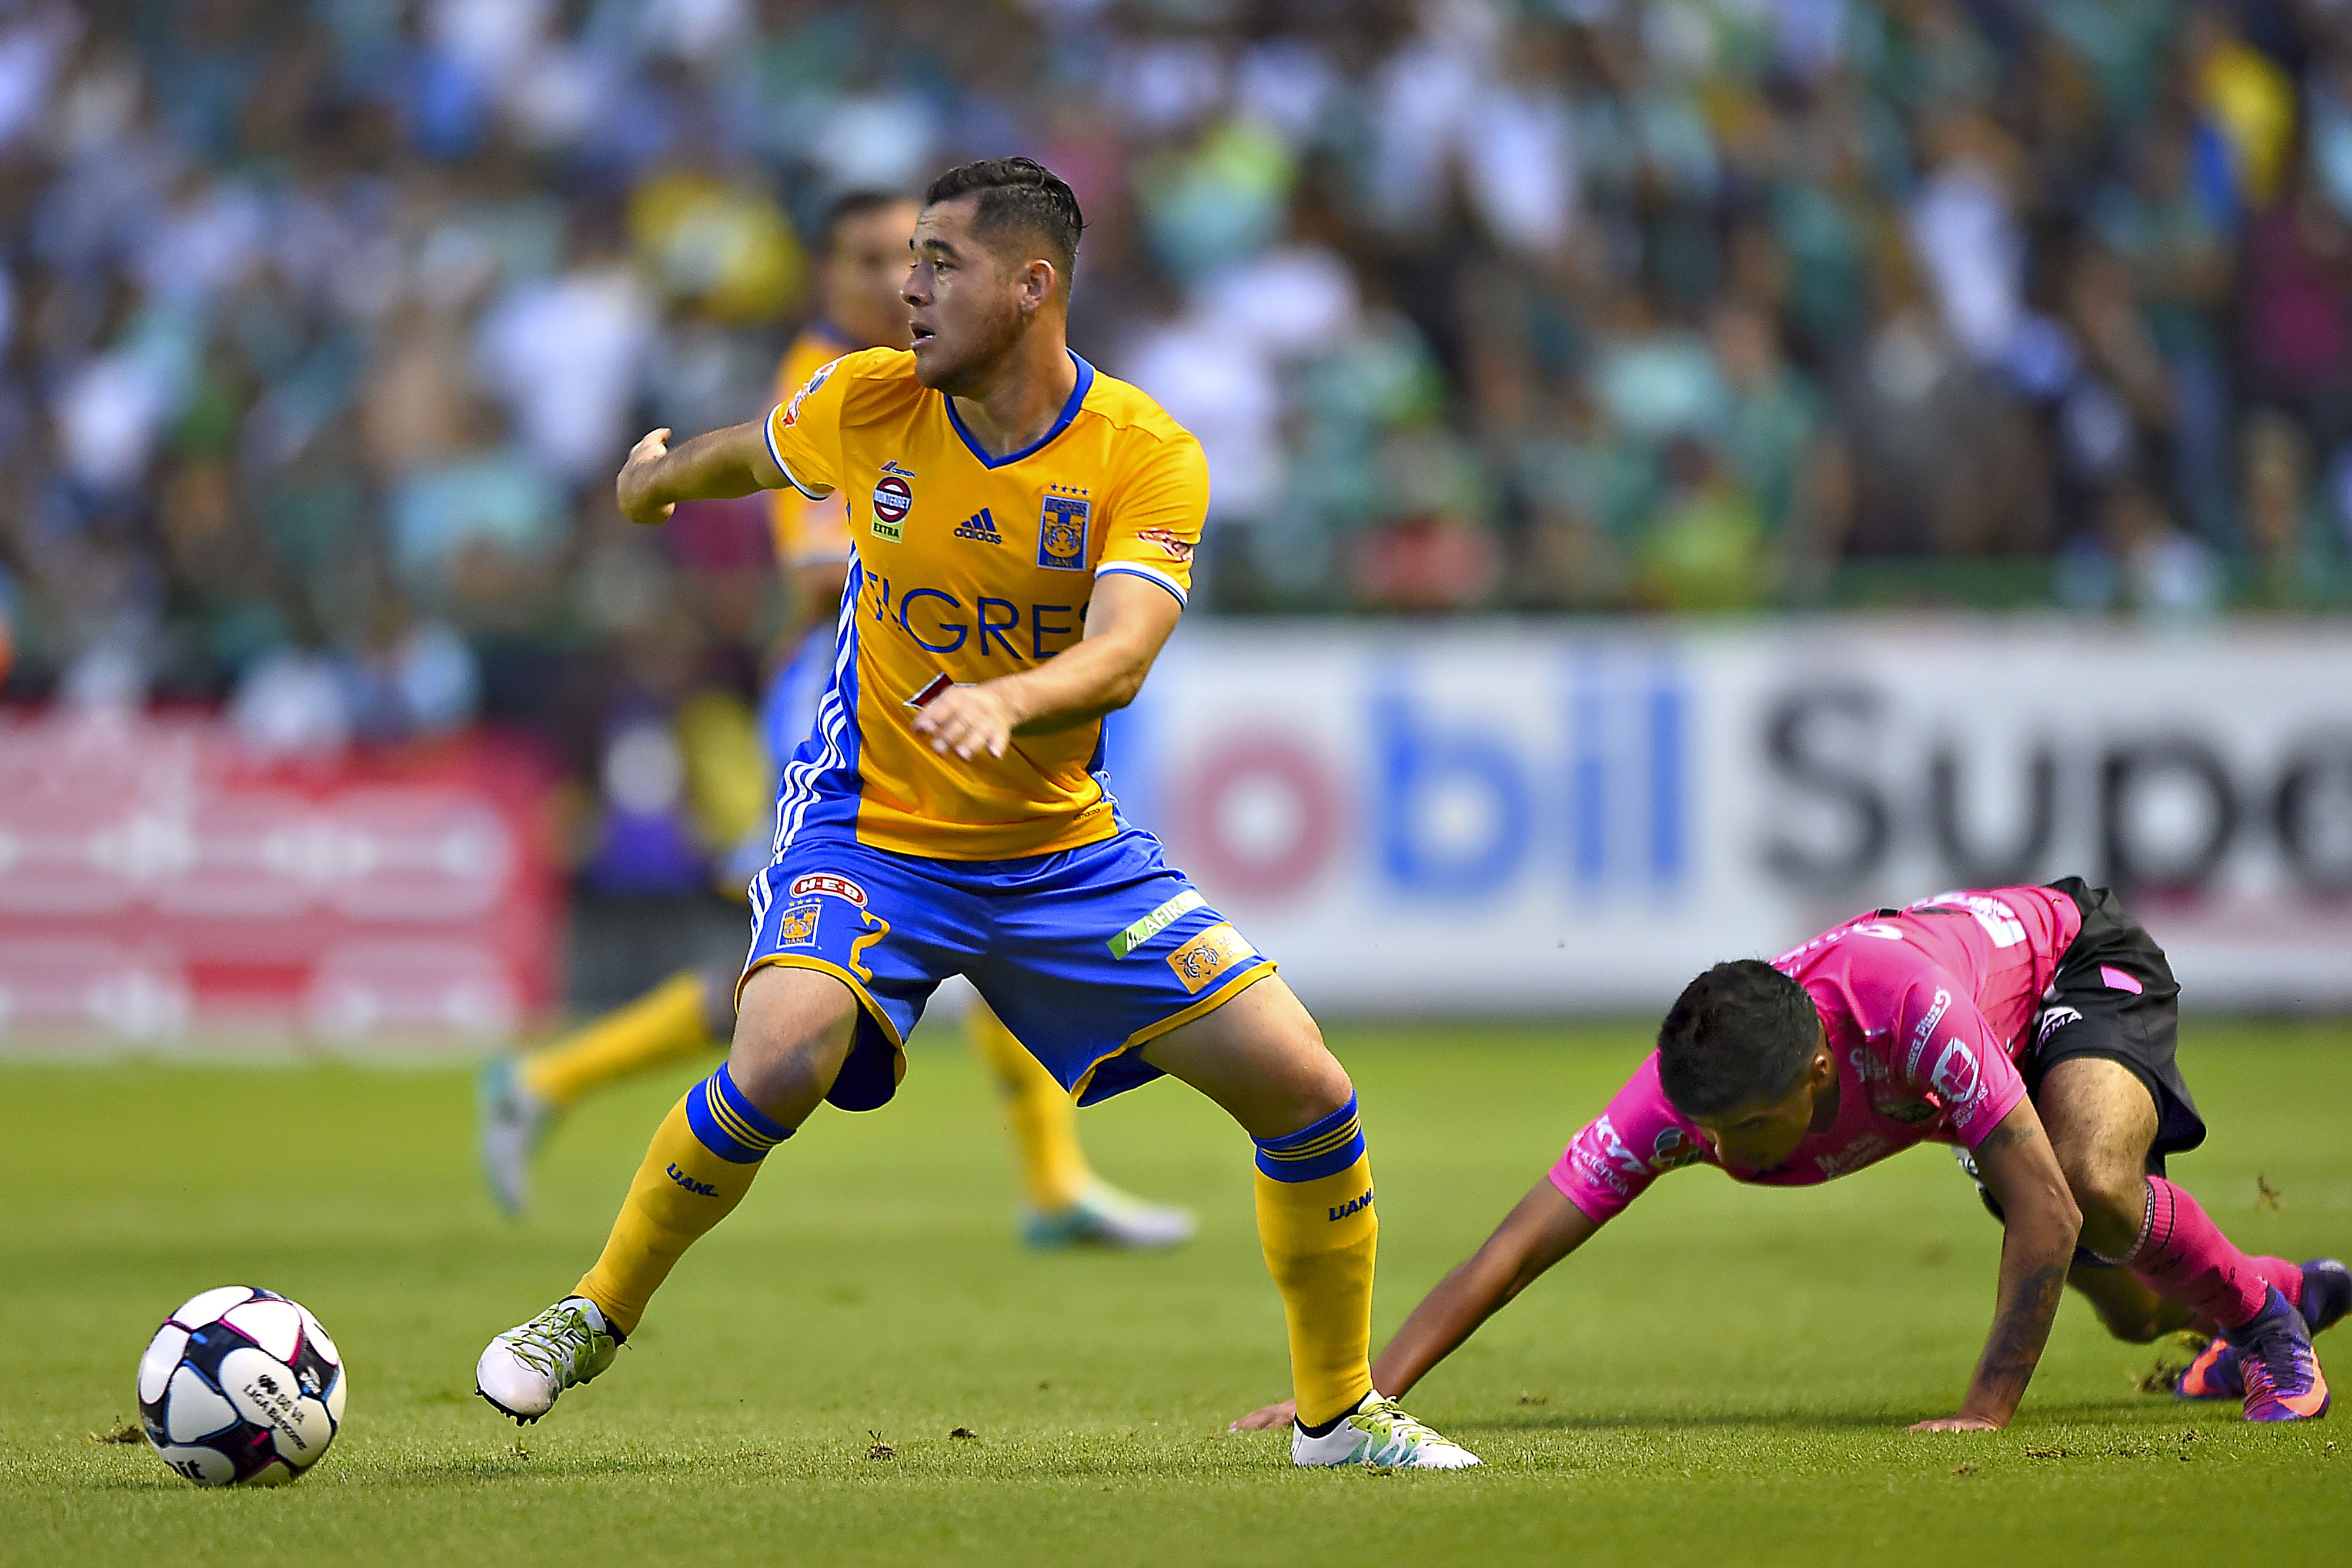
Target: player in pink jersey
{"x": 2030, "y": 1028}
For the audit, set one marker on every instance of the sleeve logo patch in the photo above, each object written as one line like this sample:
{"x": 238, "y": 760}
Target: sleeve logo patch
{"x": 796, "y": 926}
{"x": 1177, "y": 547}
{"x": 824, "y": 882}
{"x": 1606, "y": 1134}
{"x": 1153, "y": 924}
{"x": 1674, "y": 1148}
{"x": 1602, "y": 1158}
{"x": 1955, "y": 1078}
{"x": 1926, "y": 1029}
{"x": 1212, "y": 952}
{"x": 1062, "y": 532}
{"x": 792, "y": 410}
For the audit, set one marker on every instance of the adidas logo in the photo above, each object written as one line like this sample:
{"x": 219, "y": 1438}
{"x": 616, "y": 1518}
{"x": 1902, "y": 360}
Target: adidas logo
{"x": 979, "y": 526}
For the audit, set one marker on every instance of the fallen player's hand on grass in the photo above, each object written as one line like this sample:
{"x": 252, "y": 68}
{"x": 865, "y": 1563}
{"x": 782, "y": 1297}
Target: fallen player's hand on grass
{"x": 1281, "y": 1414}
{"x": 1957, "y": 1423}
{"x": 968, "y": 720}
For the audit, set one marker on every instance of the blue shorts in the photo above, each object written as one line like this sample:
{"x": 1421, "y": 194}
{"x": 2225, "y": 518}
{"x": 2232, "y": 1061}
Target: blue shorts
{"x": 1087, "y": 955}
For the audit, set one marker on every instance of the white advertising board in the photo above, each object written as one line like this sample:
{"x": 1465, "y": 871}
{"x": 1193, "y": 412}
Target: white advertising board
{"x": 1538, "y": 817}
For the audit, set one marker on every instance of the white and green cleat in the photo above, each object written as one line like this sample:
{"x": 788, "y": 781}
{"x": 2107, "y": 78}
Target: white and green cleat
{"x": 1379, "y": 1432}
{"x": 1105, "y": 1216}
{"x": 524, "y": 1369}
{"x": 514, "y": 1123}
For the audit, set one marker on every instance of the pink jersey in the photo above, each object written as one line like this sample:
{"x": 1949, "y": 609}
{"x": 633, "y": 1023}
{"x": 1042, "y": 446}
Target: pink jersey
{"x": 1928, "y": 1011}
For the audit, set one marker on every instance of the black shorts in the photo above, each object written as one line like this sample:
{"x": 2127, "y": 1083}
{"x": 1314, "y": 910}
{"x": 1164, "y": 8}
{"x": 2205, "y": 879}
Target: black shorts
{"x": 2113, "y": 997}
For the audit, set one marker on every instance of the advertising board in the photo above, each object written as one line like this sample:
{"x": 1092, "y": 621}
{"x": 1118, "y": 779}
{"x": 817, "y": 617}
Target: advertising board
{"x": 161, "y": 885}
{"x": 1534, "y": 819}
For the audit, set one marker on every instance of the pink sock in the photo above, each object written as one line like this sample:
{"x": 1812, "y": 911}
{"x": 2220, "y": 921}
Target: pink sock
{"x": 2183, "y": 1256}
{"x": 2286, "y": 1276}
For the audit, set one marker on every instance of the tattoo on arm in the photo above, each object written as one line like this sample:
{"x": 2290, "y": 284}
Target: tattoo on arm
{"x": 2007, "y": 1134}
{"x": 2020, "y": 1330}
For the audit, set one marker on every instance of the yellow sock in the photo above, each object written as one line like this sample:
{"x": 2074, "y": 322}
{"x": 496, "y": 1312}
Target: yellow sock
{"x": 701, "y": 1163}
{"x": 669, "y": 1023}
{"x": 1054, "y": 1169}
{"x": 1316, "y": 1224}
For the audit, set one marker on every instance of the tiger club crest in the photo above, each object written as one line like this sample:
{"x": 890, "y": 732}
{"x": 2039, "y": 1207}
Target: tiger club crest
{"x": 1062, "y": 532}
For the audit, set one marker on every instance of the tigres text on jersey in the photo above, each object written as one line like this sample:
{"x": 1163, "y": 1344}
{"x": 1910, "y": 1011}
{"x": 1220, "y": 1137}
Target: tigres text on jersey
{"x": 969, "y": 567}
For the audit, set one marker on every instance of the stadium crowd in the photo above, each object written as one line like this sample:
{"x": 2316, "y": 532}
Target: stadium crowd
{"x": 323, "y": 326}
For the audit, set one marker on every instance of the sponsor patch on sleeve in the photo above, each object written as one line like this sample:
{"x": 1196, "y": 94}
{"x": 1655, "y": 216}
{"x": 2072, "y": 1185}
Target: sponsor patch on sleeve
{"x": 1957, "y": 1079}
{"x": 1600, "y": 1158}
{"x": 792, "y": 414}
{"x": 1926, "y": 1031}
{"x": 1172, "y": 544}
{"x": 1674, "y": 1148}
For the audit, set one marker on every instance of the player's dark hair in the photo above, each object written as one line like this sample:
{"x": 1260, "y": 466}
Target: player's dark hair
{"x": 851, "y": 204}
{"x": 1017, "y": 193}
{"x": 1739, "y": 1035}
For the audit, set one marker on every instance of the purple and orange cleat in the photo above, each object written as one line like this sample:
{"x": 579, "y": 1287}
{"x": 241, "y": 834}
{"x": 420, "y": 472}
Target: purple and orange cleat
{"x": 2326, "y": 1297}
{"x": 2213, "y": 1375}
{"x": 2284, "y": 1382}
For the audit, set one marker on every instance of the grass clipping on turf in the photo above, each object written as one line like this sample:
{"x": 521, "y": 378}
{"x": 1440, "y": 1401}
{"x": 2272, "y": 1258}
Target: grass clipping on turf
{"x": 2164, "y": 1375}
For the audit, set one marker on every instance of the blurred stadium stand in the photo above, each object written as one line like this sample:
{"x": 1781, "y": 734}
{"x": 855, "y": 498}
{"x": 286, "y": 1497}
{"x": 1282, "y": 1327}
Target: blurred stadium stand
{"x": 323, "y": 326}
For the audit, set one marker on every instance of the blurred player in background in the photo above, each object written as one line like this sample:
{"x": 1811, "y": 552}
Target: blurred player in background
{"x": 1024, "y": 533}
{"x": 863, "y": 262}
{"x": 2032, "y": 1028}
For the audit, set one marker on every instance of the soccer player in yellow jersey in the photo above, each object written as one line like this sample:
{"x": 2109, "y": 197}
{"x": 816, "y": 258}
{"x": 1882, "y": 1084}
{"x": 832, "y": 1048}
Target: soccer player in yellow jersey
{"x": 862, "y": 263}
{"x": 1023, "y": 530}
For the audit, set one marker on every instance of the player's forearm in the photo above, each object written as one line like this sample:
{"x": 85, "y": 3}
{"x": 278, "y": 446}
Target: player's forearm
{"x": 1128, "y": 622}
{"x": 2040, "y": 1223}
{"x": 1080, "y": 684}
{"x": 2035, "y": 1250}
{"x": 1541, "y": 1231}
{"x": 1476, "y": 1290}
{"x": 715, "y": 465}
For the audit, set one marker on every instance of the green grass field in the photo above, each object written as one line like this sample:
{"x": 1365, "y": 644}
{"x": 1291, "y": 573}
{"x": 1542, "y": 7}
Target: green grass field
{"x": 1723, "y": 1376}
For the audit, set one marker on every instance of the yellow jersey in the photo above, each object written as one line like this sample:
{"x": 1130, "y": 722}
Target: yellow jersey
{"x": 807, "y": 532}
{"x": 968, "y": 566}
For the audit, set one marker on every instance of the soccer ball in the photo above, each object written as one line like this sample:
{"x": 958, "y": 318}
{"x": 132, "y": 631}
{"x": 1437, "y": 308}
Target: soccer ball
{"x": 241, "y": 1387}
